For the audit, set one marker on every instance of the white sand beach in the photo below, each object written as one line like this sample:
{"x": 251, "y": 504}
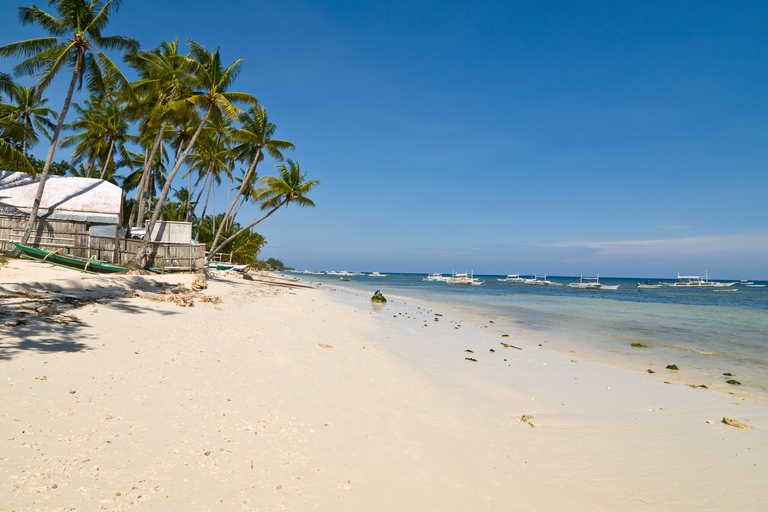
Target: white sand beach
{"x": 290, "y": 398}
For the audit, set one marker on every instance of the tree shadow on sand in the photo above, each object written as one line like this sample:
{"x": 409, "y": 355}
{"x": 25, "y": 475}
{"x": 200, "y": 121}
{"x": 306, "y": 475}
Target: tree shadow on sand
{"x": 46, "y": 322}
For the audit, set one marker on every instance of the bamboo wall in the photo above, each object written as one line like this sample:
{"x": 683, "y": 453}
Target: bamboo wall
{"x": 51, "y": 235}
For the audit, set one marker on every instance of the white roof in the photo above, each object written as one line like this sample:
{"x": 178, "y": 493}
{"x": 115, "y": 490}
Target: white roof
{"x": 62, "y": 193}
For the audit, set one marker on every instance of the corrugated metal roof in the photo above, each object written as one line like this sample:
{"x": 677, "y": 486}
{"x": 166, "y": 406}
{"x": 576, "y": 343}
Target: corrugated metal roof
{"x": 62, "y": 194}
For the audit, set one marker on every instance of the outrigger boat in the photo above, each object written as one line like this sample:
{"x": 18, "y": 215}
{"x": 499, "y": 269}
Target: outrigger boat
{"x": 513, "y": 278}
{"x": 647, "y": 285}
{"x": 698, "y": 282}
{"x": 541, "y": 281}
{"x": 465, "y": 278}
{"x": 589, "y": 285}
{"x": 90, "y": 266}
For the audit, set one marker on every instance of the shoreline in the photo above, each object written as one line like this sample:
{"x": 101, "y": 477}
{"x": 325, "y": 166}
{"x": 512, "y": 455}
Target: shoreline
{"x": 695, "y": 369}
{"x": 298, "y": 399}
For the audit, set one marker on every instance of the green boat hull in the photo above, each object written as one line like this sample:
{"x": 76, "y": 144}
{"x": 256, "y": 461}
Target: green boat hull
{"x": 65, "y": 260}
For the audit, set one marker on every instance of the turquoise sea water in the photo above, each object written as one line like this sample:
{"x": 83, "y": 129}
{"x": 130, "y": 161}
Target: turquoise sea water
{"x": 704, "y": 332}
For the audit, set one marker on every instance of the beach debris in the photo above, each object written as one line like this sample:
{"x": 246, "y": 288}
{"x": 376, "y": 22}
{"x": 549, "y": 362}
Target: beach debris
{"x": 733, "y": 382}
{"x": 378, "y": 297}
{"x": 493, "y": 350}
{"x": 526, "y": 418}
{"x": 471, "y": 359}
{"x": 639, "y": 345}
{"x": 672, "y": 367}
{"x": 199, "y": 283}
{"x": 650, "y": 371}
{"x": 248, "y": 277}
{"x": 710, "y": 422}
{"x": 47, "y": 310}
{"x": 469, "y": 351}
{"x": 507, "y": 345}
{"x": 736, "y": 403}
{"x": 737, "y": 424}
{"x": 43, "y": 377}
{"x": 728, "y": 374}
{"x": 323, "y": 345}
{"x": 505, "y": 335}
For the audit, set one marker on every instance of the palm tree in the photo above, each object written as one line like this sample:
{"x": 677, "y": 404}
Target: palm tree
{"x": 256, "y": 135}
{"x": 28, "y": 108}
{"x": 11, "y": 131}
{"x": 162, "y": 72}
{"x": 209, "y": 80}
{"x": 76, "y": 41}
{"x": 289, "y": 186}
{"x": 90, "y": 141}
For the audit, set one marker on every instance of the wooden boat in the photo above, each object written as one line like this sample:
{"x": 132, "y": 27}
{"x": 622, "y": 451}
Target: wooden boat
{"x": 586, "y": 283}
{"x": 90, "y": 266}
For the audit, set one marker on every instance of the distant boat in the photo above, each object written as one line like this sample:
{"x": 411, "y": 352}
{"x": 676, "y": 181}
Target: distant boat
{"x": 90, "y": 266}
{"x": 698, "y": 282}
{"x": 586, "y": 283}
{"x": 513, "y": 278}
{"x": 726, "y": 290}
{"x": 344, "y": 279}
{"x": 647, "y": 285}
{"x": 746, "y": 282}
{"x": 541, "y": 281}
{"x": 436, "y": 277}
{"x": 376, "y": 274}
{"x": 466, "y": 279}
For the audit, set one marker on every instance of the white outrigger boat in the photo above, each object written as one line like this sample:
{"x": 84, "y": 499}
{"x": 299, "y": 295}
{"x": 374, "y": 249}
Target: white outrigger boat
{"x": 590, "y": 285}
{"x": 513, "y": 278}
{"x": 467, "y": 279}
{"x": 436, "y": 277}
{"x": 377, "y": 274}
{"x": 698, "y": 282}
{"x": 541, "y": 281}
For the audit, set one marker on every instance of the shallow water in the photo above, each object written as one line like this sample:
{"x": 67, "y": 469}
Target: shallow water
{"x": 704, "y": 332}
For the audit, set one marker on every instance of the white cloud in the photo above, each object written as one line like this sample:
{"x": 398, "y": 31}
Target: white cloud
{"x": 710, "y": 244}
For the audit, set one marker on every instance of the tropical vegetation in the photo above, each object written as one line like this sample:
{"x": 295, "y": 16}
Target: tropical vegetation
{"x": 167, "y": 125}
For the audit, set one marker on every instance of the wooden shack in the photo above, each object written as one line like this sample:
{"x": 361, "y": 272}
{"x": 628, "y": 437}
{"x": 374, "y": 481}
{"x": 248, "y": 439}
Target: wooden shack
{"x": 82, "y": 216}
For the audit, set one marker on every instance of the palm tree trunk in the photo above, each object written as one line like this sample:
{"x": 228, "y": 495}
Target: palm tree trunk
{"x": 91, "y": 161}
{"x": 24, "y": 142}
{"x": 148, "y": 162}
{"x": 243, "y": 230}
{"x": 109, "y": 157}
{"x": 205, "y": 206}
{"x": 49, "y": 158}
{"x": 141, "y": 255}
{"x": 244, "y": 184}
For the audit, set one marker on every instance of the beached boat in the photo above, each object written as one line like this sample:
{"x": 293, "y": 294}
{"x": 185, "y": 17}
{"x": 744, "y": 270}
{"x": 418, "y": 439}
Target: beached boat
{"x": 513, "y": 278}
{"x": 90, "y": 266}
{"x": 698, "y": 282}
{"x": 591, "y": 283}
{"x": 541, "y": 281}
{"x": 465, "y": 278}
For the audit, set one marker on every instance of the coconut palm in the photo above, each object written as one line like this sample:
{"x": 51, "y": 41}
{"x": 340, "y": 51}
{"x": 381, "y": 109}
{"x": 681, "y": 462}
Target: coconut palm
{"x": 75, "y": 41}
{"x": 256, "y": 135}
{"x": 209, "y": 81}
{"x": 289, "y": 186}
{"x": 28, "y": 108}
{"x": 162, "y": 72}
{"x": 90, "y": 141}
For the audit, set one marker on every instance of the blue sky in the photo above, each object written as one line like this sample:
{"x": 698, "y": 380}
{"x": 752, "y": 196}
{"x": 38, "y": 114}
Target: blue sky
{"x": 567, "y": 138}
